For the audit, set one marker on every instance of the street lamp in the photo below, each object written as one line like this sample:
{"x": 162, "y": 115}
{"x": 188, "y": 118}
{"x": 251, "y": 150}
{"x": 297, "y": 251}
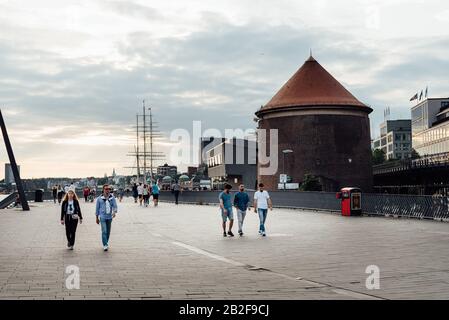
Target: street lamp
{"x": 284, "y": 152}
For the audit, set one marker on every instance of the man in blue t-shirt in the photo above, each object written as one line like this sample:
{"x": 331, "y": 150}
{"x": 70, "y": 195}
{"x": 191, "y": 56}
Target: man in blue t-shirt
{"x": 241, "y": 201}
{"x": 226, "y": 209}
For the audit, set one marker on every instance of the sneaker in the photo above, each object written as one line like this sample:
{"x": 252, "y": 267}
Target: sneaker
{"x": 241, "y": 233}
{"x": 263, "y": 234}
{"x": 68, "y": 244}
{"x": 230, "y": 233}
{"x": 105, "y": 248}
{"x": 71, "y": 248}
{"x": 224, "y": 234}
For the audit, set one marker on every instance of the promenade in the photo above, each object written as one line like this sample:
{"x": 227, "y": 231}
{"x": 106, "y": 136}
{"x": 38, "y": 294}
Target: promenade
{"x": 178, "y": 252}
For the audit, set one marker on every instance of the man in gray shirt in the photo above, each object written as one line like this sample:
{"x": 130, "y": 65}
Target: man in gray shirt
{"x": 176, "y": 188}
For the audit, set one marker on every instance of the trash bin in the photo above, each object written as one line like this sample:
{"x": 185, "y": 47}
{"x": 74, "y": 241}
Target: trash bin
{"x": 39, "y": 195}
{"x": 351, "y": 201}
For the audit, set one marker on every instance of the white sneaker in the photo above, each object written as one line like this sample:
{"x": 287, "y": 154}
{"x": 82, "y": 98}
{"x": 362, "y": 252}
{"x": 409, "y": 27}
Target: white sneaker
{"x": 105, "y": 248}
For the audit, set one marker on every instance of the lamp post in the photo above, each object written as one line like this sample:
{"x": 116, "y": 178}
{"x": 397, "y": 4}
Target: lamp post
{"x": 284, "y": 152}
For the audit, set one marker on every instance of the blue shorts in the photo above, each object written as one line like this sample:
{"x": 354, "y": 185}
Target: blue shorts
{"x": 228, "y": 215}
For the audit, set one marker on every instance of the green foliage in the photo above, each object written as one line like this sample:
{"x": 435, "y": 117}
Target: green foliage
{"x": 310, "y": 183}
{"x": 378, "y": 156}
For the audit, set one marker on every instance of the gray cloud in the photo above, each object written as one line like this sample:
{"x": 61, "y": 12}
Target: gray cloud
{"x": 219, "y": 75}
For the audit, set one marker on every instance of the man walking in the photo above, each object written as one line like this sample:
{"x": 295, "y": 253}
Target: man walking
{"x": 226, "y": 209}
{"x": 176, "y": 188}
{"x": 241, "y": 201}
{"x": 155, "y": 193}
{"x": 262, "y": 201}
{"x": 140, "y": 193}
{"x": 105, "y": 211}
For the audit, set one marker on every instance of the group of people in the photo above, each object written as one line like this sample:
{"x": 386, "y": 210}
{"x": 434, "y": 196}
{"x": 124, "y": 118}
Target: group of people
{"x": 143, "y": 192}
{"x": 59, "y": 192}
{"x": 105, "y": 211}
{"x": 241, "y": 202}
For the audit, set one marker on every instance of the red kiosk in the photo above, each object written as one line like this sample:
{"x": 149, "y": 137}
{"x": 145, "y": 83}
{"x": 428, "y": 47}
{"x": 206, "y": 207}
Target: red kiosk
{"x": 351, "y": 201}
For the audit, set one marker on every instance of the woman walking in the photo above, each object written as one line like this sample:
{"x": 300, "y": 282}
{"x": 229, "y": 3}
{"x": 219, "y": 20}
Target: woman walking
{"x": 70, "y": 215}
{"x": 135, "y": 194}
{"x": 55, "y": 193}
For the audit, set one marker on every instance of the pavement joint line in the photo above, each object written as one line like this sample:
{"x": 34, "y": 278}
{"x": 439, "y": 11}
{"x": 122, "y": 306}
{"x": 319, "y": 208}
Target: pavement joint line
{"x": 338, "y": 290}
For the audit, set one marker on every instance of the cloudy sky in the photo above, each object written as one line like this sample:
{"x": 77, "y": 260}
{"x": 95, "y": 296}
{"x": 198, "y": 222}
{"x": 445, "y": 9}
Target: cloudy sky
{"x": 73, "y": 74}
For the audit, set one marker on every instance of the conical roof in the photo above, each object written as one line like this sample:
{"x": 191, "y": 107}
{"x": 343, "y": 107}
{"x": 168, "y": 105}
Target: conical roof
{"x": 312, "y": 85}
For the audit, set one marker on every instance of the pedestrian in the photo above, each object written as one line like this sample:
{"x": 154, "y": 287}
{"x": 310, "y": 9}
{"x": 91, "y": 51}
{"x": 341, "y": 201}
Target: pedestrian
{"x": 146, "y": 195}
{"x": 155, "y": 192}
{"x": 93, "y": 193}
{"x": 262, "y": 201}
{"x": 121, "y": 193}
{"x": 176, "y": 189}
{"x": 86, "y": 192}
{"x": 60, "y": 193}
{"x": 226, "y": 209}
{"x": 140, "y": 193}
{"x": 241, "y": 201}
{"x": 55, "y": 193}
{"x": 70, "y": 215}
{"x": 135, "y": 194}
{"x": 105, "y": 211}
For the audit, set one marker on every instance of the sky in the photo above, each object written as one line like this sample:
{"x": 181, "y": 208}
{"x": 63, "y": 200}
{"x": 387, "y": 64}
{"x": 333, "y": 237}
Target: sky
{"x": 73, "y": 74}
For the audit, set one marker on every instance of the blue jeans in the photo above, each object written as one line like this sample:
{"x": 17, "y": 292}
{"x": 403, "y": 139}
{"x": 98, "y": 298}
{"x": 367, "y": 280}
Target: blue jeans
{"x": 262, "y": 217}
{"x": 105, "y": 231}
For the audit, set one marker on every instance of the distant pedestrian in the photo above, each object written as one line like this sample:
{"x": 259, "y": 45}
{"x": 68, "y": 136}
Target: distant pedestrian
{"x": 241, "y": 201}
{"x": 155, "y": 192}
{"x": 105, "y": 211}
{"x": 135, "y": 194}
{"x": 176, "y": 189}
{"x": 226, "y": 209}
{"x": 70, "y": 215}
{"x": 60, "y": 193}
{"x": 86, "y": 192}
{"x": 121, "y": 193}
{"x": 140, "y": 193}
{"x": 262, "y": 202}
{"x": 55, "y": 193}
{"x": 146, "y": 195}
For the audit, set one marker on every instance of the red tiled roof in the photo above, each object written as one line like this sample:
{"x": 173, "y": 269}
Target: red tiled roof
{"x": 312, "y": 85}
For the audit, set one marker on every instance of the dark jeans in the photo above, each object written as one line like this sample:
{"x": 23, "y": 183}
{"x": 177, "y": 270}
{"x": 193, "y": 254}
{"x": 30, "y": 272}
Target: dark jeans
{"x": 70, "y": 229}
{"x": 176, "y": 196}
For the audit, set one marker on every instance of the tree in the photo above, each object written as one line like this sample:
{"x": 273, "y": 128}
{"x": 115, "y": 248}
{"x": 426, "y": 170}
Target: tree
{"x": 310, "y": 183}
{"x": 378, "y": 156}
{"x": 414, "y": 154}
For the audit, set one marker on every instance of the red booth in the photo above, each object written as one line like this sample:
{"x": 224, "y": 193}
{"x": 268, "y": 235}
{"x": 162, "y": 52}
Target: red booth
{"x": 351, "y": 201}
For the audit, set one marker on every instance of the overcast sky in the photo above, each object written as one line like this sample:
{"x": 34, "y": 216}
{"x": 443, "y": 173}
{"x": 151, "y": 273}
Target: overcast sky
{"x": 74, "y": 73}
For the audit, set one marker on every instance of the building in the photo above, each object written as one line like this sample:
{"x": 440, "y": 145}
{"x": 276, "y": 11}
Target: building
{"x": 395, "y": 139}
{"x": 430, "y": 126}
{"x": 233, "y": 162}
{"x": 205, "y": 144}
{"x": 323, "y": 126}
{"x": 167, "y": 170}
{"x": 9, "y": 176}
{"x": 192, "y": 171}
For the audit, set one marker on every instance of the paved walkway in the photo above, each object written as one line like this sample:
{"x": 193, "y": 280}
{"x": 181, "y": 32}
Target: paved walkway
{"x": 178, "y": 252}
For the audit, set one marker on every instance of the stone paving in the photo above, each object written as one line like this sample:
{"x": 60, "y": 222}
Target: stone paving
{"x": 178, "y": 252}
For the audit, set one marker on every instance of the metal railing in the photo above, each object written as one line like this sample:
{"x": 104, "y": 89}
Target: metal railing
{"x": 411, "y": 206}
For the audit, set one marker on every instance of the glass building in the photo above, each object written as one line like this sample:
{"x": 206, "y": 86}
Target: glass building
{"x": 395, "y": 139}
{"x": 430, "y": 126}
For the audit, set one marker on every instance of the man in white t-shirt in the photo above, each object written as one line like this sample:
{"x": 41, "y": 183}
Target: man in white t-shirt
{"x": 262, "y": 202}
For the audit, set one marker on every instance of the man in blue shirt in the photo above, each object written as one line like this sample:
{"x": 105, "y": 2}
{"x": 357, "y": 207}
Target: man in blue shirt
{"x": 241, "y": 201}
{"x": 226, "y": 209}
{"x": 105, "y": 211}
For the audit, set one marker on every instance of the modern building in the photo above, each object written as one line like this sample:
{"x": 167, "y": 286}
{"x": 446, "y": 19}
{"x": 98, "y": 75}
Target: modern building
{"x": 430, "y": 126}
{"x": 167, "y": 170}
{"x": 395, "y": 139}
{"x": 232, "y": 161}
{"x": 325, "y": 129}
{"x": 9, "y": 176}
{"x": 191, "y": 171}
{"x": 206, "y": 143}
